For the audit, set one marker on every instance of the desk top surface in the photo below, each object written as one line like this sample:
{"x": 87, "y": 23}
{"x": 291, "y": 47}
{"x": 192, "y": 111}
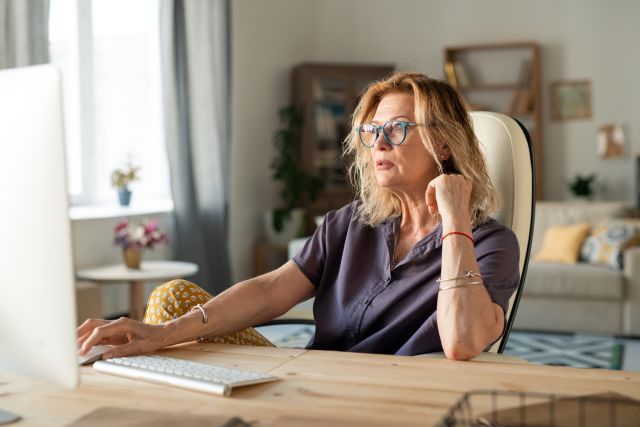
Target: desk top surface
{"x": 149, "y": 270}
{"x": 316, "y": 388}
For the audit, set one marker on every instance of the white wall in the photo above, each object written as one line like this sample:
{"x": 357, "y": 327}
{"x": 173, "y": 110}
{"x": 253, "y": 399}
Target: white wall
{"x": 592, "y": 39}
{"x": 269, "y": 38}
{"x": 580, "y": 39}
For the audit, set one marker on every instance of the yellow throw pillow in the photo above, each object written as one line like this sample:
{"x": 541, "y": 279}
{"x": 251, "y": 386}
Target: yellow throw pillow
{"x": 561, "y": 243}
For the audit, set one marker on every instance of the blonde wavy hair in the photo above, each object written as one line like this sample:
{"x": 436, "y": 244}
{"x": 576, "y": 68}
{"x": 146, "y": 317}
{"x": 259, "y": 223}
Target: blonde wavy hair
{"x": 440, "y": 105}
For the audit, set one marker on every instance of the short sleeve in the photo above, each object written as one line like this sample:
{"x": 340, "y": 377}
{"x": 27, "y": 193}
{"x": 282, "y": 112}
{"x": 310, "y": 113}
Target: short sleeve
{"x": 498, "y": 255}
{"x": 325, "y": 244}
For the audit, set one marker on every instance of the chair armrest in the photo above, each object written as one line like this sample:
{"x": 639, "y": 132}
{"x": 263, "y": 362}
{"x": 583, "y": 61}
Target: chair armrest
{"x": 631, "y": 320}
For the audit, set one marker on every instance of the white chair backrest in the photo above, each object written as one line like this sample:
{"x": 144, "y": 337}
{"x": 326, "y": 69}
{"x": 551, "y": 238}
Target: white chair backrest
{"x": 509, "y": 160}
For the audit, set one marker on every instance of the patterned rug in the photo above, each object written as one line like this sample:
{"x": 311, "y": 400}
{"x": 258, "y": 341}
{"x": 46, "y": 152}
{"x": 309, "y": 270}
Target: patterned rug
{"x": 288, "y": 335}
{"x": 579, "y": 351}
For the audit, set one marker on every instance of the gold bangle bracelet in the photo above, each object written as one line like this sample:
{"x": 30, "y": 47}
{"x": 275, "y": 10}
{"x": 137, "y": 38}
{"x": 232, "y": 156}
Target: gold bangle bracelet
{"x": 461, "y": 285}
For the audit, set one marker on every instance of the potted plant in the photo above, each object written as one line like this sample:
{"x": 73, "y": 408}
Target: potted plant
{"x": 120, "y": 180}
{"x": 582, "y": 186}
{"x": 287, "y": 221}
{"x": 134, "y": 238}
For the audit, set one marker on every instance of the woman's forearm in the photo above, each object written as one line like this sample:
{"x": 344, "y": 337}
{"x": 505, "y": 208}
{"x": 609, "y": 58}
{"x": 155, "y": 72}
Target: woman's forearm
{"x": 237, "y": 308}
{"x": 467, "y": 318}
{"x": 245, "y": 304}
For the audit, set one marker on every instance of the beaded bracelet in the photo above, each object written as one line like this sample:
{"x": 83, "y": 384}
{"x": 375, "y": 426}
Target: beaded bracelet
{"x": 468, "y": 236}
{"x": 463, "y": 276}
{"x": 461, "y": 285}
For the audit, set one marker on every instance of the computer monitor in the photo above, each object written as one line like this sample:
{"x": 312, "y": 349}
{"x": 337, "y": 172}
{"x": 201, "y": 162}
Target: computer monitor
{"x": 37, "y": 292}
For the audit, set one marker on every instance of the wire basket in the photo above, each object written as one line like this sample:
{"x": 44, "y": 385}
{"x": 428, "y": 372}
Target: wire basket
{"x": 494, "y": 408}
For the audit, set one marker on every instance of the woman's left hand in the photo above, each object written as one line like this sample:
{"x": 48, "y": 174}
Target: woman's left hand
{"x": 449, "y": 196}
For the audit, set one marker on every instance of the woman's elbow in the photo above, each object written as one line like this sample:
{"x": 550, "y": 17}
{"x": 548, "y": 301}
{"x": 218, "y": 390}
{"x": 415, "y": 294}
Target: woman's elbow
{"x": 462, "y": 350}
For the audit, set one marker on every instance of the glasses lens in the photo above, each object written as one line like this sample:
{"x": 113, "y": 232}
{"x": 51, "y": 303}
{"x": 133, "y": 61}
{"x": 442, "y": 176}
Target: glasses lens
{"x": 395, "y": 132}
{"x": 367, "y": 133}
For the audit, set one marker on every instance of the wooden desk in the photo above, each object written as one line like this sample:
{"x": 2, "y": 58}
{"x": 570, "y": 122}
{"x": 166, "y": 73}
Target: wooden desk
{"x": 316, "y": 388}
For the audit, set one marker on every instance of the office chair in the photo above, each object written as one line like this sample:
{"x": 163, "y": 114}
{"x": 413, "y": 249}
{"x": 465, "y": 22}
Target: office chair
{"x": 508, "y": 152}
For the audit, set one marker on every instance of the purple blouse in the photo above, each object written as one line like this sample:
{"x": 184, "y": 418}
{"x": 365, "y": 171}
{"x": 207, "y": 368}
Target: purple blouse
{"x": 363, "y": 304}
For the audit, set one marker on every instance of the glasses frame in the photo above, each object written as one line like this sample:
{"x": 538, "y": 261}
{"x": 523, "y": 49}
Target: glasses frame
{"x": 380, "y": 129}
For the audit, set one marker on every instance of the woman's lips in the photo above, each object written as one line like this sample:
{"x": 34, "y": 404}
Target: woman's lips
{"x": 384, "y": 165}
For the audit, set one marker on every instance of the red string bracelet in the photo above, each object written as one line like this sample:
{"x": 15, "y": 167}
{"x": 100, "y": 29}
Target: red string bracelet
{"x": 468, "y": 236}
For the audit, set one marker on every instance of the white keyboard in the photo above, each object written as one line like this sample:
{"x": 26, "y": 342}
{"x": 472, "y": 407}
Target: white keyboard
{"x": 182, "y": 373}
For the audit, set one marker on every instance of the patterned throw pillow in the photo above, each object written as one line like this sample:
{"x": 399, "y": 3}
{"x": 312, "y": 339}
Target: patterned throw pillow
{"x": 608, "y": 240}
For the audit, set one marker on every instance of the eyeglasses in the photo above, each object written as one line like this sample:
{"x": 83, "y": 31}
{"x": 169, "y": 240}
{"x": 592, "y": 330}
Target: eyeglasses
{"x": 394, "y": 132}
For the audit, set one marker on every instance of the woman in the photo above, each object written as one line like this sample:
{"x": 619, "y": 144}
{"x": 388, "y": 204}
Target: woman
{"x": 415, "y": 265}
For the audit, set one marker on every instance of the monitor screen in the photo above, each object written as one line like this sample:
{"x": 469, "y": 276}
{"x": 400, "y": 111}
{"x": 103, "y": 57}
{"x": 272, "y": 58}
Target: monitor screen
{"x": 37, "y": 291}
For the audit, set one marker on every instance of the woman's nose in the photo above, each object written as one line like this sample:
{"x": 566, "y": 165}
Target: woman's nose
{"x": 381, "y": 143}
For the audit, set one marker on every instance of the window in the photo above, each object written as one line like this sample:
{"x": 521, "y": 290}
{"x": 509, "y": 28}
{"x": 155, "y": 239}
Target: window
{"x": 108, "y": 52}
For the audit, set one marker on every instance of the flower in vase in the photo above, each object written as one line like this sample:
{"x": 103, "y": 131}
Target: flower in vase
{"x": 136, "y": 237}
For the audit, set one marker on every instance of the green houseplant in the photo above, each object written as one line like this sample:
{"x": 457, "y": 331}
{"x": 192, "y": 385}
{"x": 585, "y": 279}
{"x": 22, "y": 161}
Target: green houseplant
{"x": 582, "y": 186}
{"x": 298, "y": 186}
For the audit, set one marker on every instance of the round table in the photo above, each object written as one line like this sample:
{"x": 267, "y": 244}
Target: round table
{"x": 150, "y": 271}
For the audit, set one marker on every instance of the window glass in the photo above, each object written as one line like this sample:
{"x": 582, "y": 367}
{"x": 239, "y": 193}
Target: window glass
{"x": 108, "y": 51}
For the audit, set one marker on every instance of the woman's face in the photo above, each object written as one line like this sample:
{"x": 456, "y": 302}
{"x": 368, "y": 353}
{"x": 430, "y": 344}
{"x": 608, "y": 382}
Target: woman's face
{"x": 406, "y": 168}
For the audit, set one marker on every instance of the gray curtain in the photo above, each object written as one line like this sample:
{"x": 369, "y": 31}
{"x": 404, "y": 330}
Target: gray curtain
{"x": 24, "y": 33}
{"x": 196, "y": 88}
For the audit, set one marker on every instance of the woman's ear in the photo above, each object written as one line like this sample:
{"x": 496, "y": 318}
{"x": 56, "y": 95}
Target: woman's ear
{"x": 444, "y": 153}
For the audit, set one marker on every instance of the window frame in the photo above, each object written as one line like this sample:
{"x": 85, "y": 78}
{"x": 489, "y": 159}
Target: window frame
{"x": 82, "y": 48}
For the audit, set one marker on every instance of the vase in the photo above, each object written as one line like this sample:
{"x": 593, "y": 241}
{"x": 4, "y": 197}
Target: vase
{"x": 124, "y": 196}
{"x": 132, "y": 258}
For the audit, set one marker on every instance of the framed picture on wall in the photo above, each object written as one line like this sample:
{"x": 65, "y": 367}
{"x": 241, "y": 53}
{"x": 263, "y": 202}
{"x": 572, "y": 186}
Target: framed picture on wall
{"x": 570, "y": 99}
{"x": 610, "y": 141}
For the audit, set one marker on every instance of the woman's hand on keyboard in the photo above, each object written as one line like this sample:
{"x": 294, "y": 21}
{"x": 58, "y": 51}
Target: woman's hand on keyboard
{"x": 127, "y": 336}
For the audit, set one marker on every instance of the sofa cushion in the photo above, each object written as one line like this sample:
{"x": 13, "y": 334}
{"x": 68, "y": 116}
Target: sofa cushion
{"x": 562, "y": 243}
{"x": 583, "y": 281}
{"x": 608, "y": 240}
{"x": 563, "y": 213}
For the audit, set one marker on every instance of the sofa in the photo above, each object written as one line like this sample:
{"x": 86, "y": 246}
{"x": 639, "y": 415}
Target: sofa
{"x": 582, "y": 296}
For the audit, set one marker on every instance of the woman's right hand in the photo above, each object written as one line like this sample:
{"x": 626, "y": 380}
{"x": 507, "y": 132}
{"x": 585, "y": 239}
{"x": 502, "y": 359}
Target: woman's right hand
{"x": 128, "y": 337}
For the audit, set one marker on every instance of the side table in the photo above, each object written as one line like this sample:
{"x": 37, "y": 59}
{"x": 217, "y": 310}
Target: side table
{"x": 149, "y": 271}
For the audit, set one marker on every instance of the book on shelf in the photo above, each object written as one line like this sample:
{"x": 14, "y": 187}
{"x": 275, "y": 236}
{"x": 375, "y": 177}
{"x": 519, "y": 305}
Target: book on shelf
{"x": 450, "y": 73}
{"x": 328, "y": 90}
{"x": 520, "y": 102}
{"x": 525, "y": 72}
{"x": 462, "y": 76}
{"x": 329, "y": 120}
{"x": 517, "y": 99}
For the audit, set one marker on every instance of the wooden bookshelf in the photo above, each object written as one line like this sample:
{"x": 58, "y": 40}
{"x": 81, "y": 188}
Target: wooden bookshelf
{"x": 327, "y": 94}
{"x": 501, "y": 77}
